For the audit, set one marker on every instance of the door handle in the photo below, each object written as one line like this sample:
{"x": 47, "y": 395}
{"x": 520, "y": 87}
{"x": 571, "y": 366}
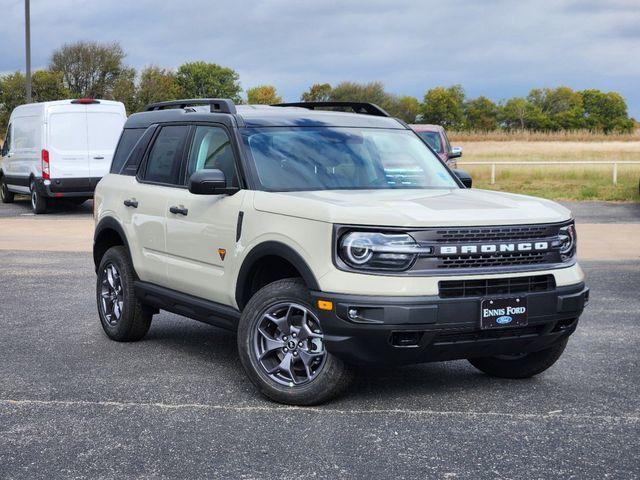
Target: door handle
{"x": 131, "y": 203}
{"x": 98, "y": 158}
{"x": 179, "y": 210}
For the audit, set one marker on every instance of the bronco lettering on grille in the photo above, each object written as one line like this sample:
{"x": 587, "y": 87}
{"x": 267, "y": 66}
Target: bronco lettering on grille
{"x": 474, "y": 249}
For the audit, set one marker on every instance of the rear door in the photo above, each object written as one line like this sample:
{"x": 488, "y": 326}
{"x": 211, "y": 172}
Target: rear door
{"x": 104, "y": 126}
{"x": 67, "y": 144}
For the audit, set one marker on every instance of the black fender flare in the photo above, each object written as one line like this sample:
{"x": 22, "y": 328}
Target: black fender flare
{"x": 278, "y": 249}
{"x": 108, "y": 223}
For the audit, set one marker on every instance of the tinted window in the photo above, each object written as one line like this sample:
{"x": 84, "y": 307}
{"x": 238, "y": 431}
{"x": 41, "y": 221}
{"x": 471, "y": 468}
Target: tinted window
{"x": 6, "y": 146}
{"x": 331, "y": 158}
{"x": 128, "y": 139}
{"x": 163, "y": 165}
{"x": 211, "y": 149}
{"x": 433, "y": 139}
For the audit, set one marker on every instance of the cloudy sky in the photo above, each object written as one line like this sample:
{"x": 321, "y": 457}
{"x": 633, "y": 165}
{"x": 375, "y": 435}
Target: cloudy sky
{"x": 497, "y": 48}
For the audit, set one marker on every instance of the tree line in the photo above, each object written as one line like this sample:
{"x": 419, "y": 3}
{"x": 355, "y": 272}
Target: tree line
{"x": 90, "y": 69}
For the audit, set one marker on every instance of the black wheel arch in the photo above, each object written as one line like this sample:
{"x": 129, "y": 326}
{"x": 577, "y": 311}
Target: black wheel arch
{"x": 108, "y": 233}
{"x": 261, "y": 252}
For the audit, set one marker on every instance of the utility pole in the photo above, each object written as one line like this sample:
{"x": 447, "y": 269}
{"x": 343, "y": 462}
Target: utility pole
{"x": 27, "y": 41}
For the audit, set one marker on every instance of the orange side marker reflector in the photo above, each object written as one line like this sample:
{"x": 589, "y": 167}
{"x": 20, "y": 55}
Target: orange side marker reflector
{"x": 222, "y": 252}
{"x": 325, "y": 305}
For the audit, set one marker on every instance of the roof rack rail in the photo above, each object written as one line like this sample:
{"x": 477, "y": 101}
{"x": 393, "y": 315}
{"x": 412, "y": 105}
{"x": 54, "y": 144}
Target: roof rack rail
{"x": 358, "y": 107}
{"x": 218, "y": 105}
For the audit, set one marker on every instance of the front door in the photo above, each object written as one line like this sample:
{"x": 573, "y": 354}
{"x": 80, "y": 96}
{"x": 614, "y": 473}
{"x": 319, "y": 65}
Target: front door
{"x": 201, "y": 229}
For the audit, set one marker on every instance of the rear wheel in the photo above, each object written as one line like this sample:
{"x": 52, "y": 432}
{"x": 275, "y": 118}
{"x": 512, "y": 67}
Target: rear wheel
{"x": 123, "y": 317}
{"x": 5, "y": 195}
{"x": 281, "y": 347}
{"x": 523, "y": 365}
{"x": 38, "y": 202}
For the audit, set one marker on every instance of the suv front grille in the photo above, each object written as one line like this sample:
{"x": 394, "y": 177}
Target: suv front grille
{"x": 494, "y": 233}
{"x": 496, "y": 286}
{"x": 508, "y": 259}
{"x": 474, "y": 336}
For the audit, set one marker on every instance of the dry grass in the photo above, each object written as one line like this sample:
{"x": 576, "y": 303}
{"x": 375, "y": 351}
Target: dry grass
{"x": 528, "y": 136}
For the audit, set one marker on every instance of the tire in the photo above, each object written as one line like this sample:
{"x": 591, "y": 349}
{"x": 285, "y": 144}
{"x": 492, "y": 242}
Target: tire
{"x": 123, "y": 317}
{"x": 38, "y": 202}
{"x": 314, "y": 375}
{"x": 5, "y": 195}
{"x": 520, "y": 366}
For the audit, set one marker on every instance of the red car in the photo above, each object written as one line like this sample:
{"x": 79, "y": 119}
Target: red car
{"x": 436, "y": 137}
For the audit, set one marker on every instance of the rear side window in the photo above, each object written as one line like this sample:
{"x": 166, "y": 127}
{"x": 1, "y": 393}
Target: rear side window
{"x": 128, "y": 140}
{"x": 68, "y": 131}
{"x": 26, "y": 133}
{"x": 165, "y": 157}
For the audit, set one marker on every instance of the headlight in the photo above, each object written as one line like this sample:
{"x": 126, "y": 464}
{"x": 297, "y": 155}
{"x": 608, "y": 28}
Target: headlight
{"x": 568, "y": 241}
{"x": 378, "y": 251}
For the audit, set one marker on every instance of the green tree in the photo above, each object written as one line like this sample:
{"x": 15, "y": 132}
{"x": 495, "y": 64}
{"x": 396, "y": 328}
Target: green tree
{"x": 444, "y": 106}
{"x": 204, "y": 80}
{"x": 156, "y": 85}
{"x": 372, "y": 92}
{"x": 318, "y": 92}
{"x": 606, "y": 111}
{"x": 89, "y": 69}
{"x": 513, "y": 114}
{"x": 124, "y": 90}
{"x": 263, "y": 95}
{"x": 555, "y": 109}
{"x": 404, "y": 107}
{"x": 481, "y": 114}
{"x": 45, "y": 85}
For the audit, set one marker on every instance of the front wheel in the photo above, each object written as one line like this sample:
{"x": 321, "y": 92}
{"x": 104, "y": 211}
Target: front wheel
{"x": 5, "y": 194}
{"x": 38, "y": 202}
{"x": 523, "y": 365}
{"x": 281, "y": 347}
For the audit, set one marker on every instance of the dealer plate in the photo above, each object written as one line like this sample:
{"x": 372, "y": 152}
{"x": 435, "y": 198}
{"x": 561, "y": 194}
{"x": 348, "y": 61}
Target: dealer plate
{"x": 503, "y": 312}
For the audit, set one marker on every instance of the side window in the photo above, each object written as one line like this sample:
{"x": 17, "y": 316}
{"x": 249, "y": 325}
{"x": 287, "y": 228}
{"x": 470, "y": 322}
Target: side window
{"x": 211, "y": 149}
{"x": 128, "y": 140}
{"x": 163, "y": 164}
{"x": 6, "y": 146}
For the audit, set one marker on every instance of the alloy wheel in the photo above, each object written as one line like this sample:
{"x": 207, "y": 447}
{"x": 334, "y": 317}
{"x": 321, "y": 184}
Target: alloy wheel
{"x": 111, "y": 294}
{"x": 288, "y": 344}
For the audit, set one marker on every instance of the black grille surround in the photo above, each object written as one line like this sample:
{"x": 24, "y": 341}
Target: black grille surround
{"x": 496, "y": 286}
{"x": 467, "y": 263}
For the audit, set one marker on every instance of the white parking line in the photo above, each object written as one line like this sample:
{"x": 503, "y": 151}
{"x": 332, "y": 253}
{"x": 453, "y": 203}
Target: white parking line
{"x": 287, "y": 409}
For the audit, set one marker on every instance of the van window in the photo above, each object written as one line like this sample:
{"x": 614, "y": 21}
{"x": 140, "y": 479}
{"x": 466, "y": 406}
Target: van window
{"x": 129, "y": 138}
{"x": 26, "y": 133}
{"x": 68, "y": 131}
{"x": 163, "y": 164}
{"x": 104, "y": 129}
{"x": 6, "y": 146}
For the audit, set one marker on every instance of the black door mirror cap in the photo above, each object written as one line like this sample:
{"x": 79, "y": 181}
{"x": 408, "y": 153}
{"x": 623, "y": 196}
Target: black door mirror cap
{"x": 464, "y": 178}
{"x": 209, "y": 182}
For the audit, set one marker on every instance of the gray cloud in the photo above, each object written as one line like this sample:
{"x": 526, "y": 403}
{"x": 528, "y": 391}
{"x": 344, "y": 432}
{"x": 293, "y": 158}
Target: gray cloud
{"x": 496, "y": 48}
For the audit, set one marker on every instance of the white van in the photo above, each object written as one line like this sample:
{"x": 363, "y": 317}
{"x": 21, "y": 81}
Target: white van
{"x": 59, "y": 149}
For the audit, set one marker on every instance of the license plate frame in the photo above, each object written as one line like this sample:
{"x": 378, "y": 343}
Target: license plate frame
{"x": 504, "y": 312}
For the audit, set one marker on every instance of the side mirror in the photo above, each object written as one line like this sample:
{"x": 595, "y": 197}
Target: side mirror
{"x": 464, "y": 177}
{"x": 208, "y": 182}
{"x": 456, "y": 152}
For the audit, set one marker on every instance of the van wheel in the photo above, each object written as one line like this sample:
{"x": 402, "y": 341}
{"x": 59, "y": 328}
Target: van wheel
{"x": 520, "y": 366}
{"x": 5, "y": 194}
{"x": 124, "y": 318}
{"x": 280, "y": 342}
{"x": 38, "y": 202}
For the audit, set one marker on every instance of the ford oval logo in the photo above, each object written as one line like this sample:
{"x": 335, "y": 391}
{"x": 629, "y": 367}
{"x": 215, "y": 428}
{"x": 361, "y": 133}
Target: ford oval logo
{"x": 504, "y": 319}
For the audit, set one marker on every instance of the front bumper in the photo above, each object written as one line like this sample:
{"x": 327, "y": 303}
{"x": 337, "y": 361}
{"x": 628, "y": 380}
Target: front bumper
{"x": 67, "y": 187}
{"x": 407, "y": 330}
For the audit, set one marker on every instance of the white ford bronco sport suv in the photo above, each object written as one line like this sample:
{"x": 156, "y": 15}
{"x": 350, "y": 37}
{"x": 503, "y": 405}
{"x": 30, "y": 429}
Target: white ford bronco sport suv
{"x": 325, "y": 239}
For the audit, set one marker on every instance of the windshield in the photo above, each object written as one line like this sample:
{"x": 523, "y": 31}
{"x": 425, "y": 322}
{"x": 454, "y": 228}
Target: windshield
{"x": 433, "y": 139}
{"x": 331, "y": 158}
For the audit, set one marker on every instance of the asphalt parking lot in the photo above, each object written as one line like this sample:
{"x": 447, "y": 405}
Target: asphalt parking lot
{"x": 177, "y": 404}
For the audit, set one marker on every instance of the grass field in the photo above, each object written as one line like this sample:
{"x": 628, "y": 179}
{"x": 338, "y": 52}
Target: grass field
{"x": 560, "y": 182}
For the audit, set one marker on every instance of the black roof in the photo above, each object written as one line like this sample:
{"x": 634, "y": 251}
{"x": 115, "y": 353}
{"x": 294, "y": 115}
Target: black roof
{"x": 263, "y": 116}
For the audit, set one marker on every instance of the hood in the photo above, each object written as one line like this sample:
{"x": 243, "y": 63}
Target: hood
{"x": 413, "y": 208}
